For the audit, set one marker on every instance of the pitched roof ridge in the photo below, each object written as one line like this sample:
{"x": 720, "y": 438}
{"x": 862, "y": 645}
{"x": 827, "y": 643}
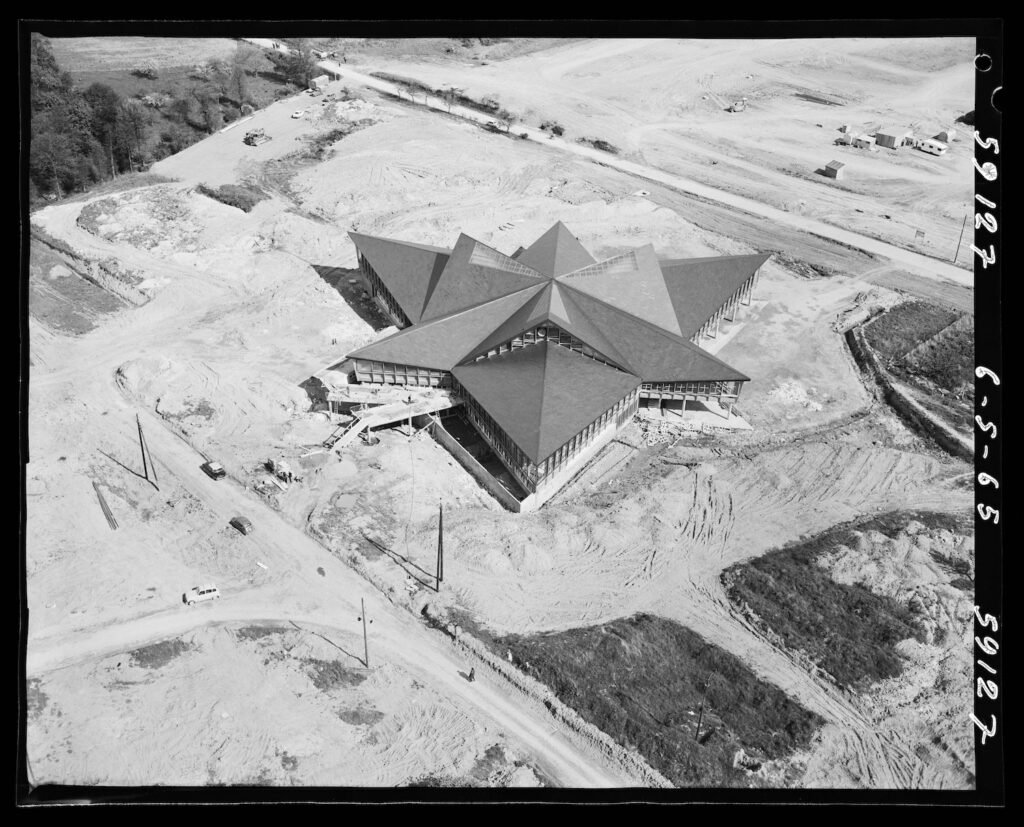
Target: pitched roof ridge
{"x": 674, "y": 262}
{"x": 404, "y": 242}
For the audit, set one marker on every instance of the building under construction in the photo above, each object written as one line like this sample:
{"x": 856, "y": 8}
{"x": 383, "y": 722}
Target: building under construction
{"x": 548, "y": 351}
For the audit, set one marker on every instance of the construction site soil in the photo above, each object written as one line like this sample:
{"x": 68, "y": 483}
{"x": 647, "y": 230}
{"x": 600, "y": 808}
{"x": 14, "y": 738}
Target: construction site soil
{"x": 240, "y": 309}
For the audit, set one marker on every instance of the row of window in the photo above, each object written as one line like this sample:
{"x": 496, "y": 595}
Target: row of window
{"x": 626, "y": 263}
{"x": 380, "y": 291}
{"x": 703, "y": 388}
{"x": 621, "y": 412}
{"x": 485, "y": 256}
{"x": 388, "y": 373}
{"x": 552, "y": 335}
{"x": 516, "y": 461}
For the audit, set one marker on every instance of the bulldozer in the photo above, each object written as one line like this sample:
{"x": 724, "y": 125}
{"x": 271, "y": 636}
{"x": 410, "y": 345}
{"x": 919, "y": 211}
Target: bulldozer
{"x": 737, "y": 106}
{"x": 256, "y": 137}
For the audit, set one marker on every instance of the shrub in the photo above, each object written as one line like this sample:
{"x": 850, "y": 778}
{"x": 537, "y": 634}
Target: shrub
{"x": 242, "y": 197}
{"x": 523, "y": 135}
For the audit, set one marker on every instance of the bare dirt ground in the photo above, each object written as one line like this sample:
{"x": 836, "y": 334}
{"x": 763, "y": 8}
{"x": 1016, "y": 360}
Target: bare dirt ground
{"x": 662, "y": 102}
{"x": 215, "y": 361}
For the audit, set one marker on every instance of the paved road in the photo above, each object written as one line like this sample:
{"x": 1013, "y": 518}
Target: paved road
{"x": 916, "y": 262}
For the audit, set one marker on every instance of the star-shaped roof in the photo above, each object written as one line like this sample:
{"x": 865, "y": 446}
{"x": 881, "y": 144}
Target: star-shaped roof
{"x": 632, "y": 312}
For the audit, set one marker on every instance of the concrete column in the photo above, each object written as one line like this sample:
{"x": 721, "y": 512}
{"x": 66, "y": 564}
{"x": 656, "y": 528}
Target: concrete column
{"x": 683, "y": 411}
{"x": 718, "y": 319}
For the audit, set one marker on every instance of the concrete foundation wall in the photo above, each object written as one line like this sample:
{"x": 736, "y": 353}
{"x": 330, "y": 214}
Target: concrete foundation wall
{"x": 478, "y": 472}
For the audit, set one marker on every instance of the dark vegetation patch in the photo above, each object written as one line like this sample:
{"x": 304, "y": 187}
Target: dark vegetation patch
{"x": 330, "y": 674}
{"x": 492, "y": 759}
{"x": 321, "y": 144}
{"x": 258, "y": 632}
{"x": 35, "y": 697}
{"x": 849, "y": 631}
{"x": 803, "y": 268}
{"x": 244, "y": 196}
{"x": 64, "y": 299}
{"x": 361, "y": 716}
{"x": 931, "y": 348}
{"x": 445, "y": 781}
{"x": 641, "y": 680}
{"x": 288, "y": 762}
{"x": 598, "y": 143}
{"x": 158, "y": 655}
{"x": 966, "y": 118}
{"x": 898, "y": 331}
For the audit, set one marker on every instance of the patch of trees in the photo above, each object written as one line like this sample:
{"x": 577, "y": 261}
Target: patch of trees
{"x": 82, "y": 136}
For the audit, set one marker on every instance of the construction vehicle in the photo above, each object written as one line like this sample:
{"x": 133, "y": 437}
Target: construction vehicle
{"x": 256, "y": 137}
{"x": 737, "y": 106}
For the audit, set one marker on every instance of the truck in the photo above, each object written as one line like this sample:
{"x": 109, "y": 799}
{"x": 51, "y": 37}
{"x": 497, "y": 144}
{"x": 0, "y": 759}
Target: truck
{"x": 256, "y": 137}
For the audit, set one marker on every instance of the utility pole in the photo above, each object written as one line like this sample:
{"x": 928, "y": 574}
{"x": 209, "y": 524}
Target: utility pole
{"x": 142, "y": 447}
{"x": 700, "y": 715}
{"x": 145, "y": 450}
{"x": 366, "y": 645}
{"x": 440, "y": 547}
{"x": 962, "y": 228}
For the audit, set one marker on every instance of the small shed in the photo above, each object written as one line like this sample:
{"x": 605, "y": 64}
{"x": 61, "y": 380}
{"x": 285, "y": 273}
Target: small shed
{"x": 320, "y": 83}
{"x": 946, "y": 136}
{"x": 863, "y": 141}
{"x": 845, "y": 139}
{"x": 834, "y": 169}
{"x": 894, "y": 138}
{"x": 845, "y": 128}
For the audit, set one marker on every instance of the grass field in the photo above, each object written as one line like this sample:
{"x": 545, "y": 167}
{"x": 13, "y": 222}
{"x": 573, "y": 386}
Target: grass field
{"x": 99, "y": 54}
{"x": 641, "y": 680}
{"x": 932, "y": 348}
{"x": 848, "y": 631}
{"x": 62, "y": 298}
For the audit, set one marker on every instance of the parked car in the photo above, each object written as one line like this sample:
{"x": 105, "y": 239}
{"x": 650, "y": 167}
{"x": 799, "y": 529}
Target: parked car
{"x": 200, "y": 593}
{"x": 242, "y": 524}
{"x": 214, "y": 470}
{"x": 298, "y": 113}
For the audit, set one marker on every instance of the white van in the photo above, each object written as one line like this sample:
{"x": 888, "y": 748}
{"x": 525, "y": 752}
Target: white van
{"x": 199, "y": 593}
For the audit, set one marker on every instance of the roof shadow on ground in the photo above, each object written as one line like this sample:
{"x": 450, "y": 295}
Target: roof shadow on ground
{"x": 341, "y": 279}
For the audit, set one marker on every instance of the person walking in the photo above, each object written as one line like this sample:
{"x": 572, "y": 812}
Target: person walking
{"x": 472, "y": 674}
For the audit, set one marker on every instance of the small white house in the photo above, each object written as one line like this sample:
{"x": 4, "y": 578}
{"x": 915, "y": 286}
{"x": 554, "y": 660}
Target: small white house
{"x": 863, "y": 141}
{"x": 933, "y": 147}
{"x": 320, "y": 83}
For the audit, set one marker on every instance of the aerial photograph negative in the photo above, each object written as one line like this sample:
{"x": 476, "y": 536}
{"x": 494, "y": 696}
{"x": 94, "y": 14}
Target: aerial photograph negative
{"x": 522, "y": 413}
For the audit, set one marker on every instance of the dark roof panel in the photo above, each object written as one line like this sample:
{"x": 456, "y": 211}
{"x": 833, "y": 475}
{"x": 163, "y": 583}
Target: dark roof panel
{"x": 543, "y": 395}
{"x": 557, "y": 251}
{"x": 632, "y": 281}
{"x": 650, "y": 351}
{"x": 442, "y": 343}
{"x": 476, "y": 273}
{"x": 405, "y": 268}
{"x": 700, "y": 286}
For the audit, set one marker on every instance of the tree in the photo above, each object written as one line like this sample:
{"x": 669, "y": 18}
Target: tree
{"x": 147, "y": 69}
{"x": 298, "y": 65}
{"x": 506, "y": 118}
{"x": 450, "y": 95}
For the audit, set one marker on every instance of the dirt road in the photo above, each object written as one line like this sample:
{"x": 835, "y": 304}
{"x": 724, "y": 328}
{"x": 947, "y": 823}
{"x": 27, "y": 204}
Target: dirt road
{"x": 293, "y": 589}
{"x": 916, "y": 262}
